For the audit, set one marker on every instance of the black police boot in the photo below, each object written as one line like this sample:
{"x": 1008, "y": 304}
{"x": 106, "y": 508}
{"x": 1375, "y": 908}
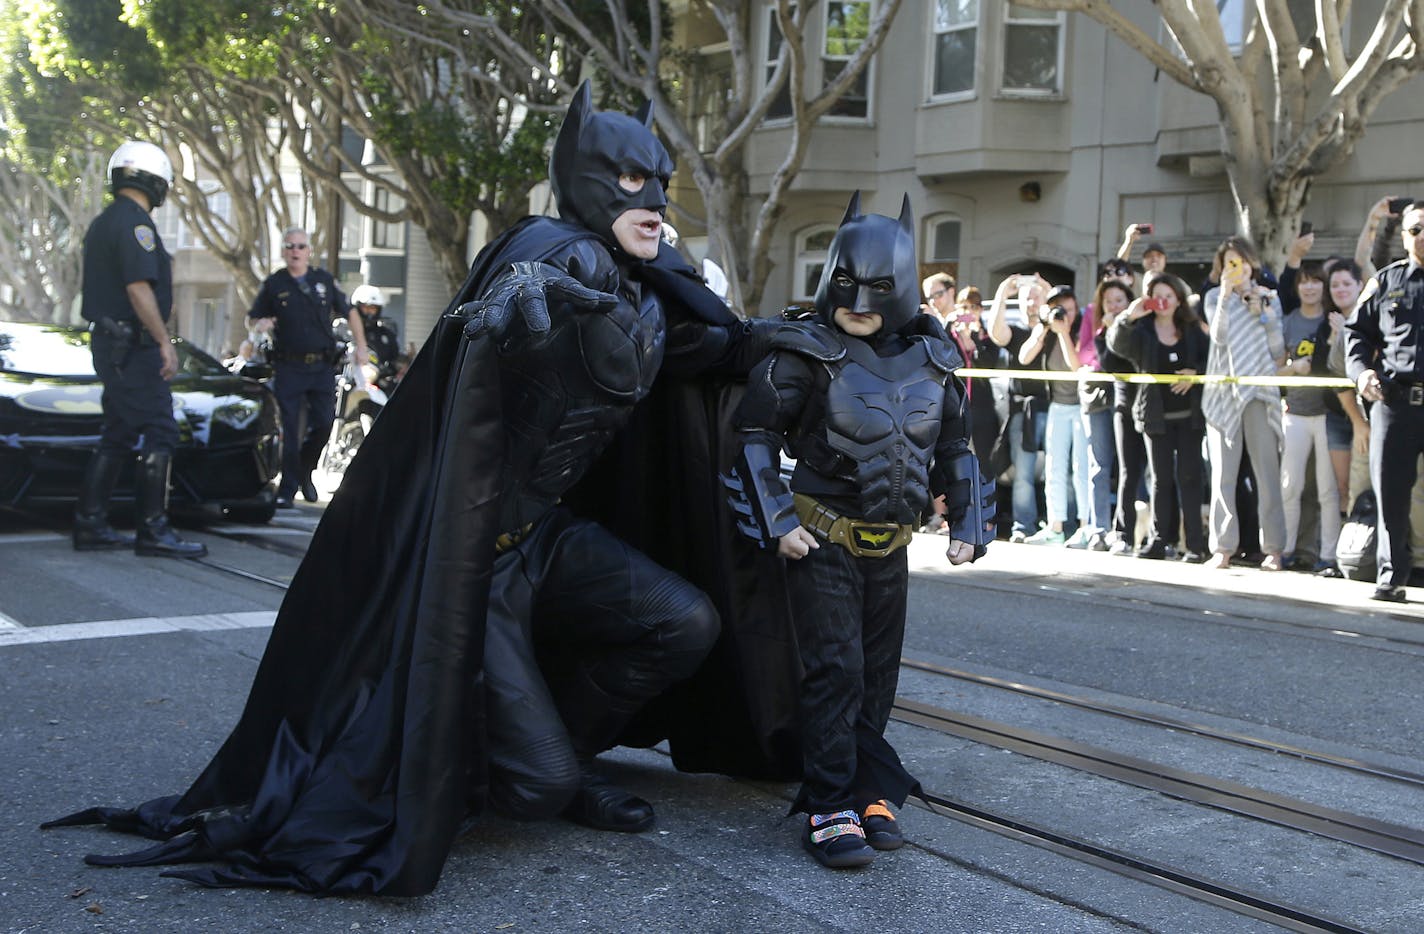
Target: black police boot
{"x": 92, "y": 531}
{"x": 311, "y": 456}
{"x": 600, "y": 804}
{"x": 155, "y": 535}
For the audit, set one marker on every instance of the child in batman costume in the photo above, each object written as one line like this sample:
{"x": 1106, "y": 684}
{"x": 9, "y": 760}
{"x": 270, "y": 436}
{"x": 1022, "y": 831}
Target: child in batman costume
{"x": 865, "y": 397}
{"x": 495, "y": 641}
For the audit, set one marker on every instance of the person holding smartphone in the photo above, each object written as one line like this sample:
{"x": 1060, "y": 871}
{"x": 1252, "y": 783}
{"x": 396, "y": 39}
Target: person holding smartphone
{"x": 1159, "y": 334}
{"x": 1244, "y": 321}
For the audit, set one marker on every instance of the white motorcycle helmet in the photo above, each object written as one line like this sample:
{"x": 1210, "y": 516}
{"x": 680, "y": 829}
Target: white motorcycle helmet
{"x": 368, "y": 295}
{"x": 144, "y": 166}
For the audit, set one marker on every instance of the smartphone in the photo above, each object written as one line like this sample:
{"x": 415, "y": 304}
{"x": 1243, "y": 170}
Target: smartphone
{"x": 1396, "y": 205}
{"x": 1144, "y": 228}
{"x": 967, "y": 318}
{"x": 1306, "y": 227}
{"x": 1154, "y": 304}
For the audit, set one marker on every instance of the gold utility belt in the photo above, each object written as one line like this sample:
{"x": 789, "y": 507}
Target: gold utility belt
{"x": 509, "y": 539}
{"x": 862, "y": 539}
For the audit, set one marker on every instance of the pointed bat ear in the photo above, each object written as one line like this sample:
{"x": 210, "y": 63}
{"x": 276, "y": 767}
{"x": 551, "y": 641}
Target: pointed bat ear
{"x": 582, "y": 104}
{"x": 907, "y": 218}
{"x": 566, "y": 142}
{"x": 852, "y": 209}
{"x": 645, "y": 114}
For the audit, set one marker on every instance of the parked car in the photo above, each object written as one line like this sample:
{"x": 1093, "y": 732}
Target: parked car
{"x": 50, "y": 415}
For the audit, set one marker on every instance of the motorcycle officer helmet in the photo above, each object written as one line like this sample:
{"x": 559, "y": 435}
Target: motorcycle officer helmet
{"x": 144, "y": 166}
{"x": 368, "y": 295}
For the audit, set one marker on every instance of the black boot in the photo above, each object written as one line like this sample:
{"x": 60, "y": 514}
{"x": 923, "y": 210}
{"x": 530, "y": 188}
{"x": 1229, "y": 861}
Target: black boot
{"x": 155, "y": 535}
{"x": 600, "y": 804}
{"x": 311, "y": 456}
{"x": 92, "y": 531}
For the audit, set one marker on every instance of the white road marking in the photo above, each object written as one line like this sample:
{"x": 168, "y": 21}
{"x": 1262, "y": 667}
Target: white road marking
{"x": 142, "y": 626}
{"x": 8, "y": 622}
{"x": 28, "y": 538}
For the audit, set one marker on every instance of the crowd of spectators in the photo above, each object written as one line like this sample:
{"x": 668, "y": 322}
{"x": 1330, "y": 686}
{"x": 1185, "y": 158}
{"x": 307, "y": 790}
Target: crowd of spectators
{"x": 1230, "y": 470}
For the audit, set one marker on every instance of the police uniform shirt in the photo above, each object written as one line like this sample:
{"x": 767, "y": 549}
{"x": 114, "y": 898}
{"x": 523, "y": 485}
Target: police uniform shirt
{"x": 122, "y": 247}
{"x": 1385, "y": 331}
{"x": 303, "y": 311}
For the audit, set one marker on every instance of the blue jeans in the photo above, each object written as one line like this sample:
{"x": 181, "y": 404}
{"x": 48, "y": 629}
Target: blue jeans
{"x": 1066, "y": 459}
{"x": 1101, "y": 449}
{"x": 1025, "y": 472}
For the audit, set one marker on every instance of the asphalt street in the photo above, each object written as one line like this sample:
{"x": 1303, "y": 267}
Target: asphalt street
{"x": 1074, "y": 685}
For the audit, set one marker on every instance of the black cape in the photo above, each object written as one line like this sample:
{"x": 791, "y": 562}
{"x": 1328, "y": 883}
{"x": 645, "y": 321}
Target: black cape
{"x": 361, "y": 749}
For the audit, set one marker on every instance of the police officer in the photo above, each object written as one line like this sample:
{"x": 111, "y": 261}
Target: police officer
{"x": 127, "y": 297}
{"x": 297, "y": 304}
{"x": 371, "y": 334}
{"x": 1384, "y": 338}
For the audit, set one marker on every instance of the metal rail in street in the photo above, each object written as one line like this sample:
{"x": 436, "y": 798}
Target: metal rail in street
{"x": 1348, "y": 763}
{"x": 1358, "y": 830}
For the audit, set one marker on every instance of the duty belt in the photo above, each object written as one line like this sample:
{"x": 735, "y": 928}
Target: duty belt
{"x": 1404, "y": 393}
{"x": 862, "y": 539}
{"x": 319, "y": 357}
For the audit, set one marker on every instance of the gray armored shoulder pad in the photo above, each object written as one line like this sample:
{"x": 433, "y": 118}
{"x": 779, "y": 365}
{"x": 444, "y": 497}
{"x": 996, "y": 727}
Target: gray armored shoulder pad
{"x": 942, "y": 353}
{"x": 588, "y": 261}
{"x": 810, "y": 339}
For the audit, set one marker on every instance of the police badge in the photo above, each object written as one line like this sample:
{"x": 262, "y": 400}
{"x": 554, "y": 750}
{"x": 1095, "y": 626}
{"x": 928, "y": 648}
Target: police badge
{"x": 146, "y": 238}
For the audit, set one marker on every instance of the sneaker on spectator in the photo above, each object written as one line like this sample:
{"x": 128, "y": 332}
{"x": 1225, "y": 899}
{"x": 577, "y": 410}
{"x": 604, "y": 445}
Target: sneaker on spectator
{"x": 1018, "y": 537}
{"x": 1079, "y": 539}
{"x": 1045, "y": 536}
{"x": 1098, "y": 542}
{"x": 1120, "y": 547}
{"x": 1388, "y": 594}
{"x": 935, "y": 524}
{"x": 1155, "y": 550}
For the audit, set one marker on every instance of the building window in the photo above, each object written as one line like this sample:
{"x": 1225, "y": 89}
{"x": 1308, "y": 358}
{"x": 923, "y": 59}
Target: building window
{"x": 385, "y": 235}
{"x": 781, "y": 106}
{"x": 956, "y": 32}
{"x": 811, "y": 250}
{"x": 1033, "y": 50}
{"x": 711, "y": 89}
{"x": 847, "y": 26}
{"x": 944, "y": 240}
{"x": 845, "y": 29}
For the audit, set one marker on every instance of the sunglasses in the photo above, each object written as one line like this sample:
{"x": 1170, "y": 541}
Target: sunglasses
{"x": 294, "y": 246}
{"x": 936, "y": 294}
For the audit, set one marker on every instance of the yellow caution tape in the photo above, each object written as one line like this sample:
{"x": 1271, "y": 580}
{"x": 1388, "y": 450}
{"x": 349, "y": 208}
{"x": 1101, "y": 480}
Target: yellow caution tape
{"x": 1324, "y": 382}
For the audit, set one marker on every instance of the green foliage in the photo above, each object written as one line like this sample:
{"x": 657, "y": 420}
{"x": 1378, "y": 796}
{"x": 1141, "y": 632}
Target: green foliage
{"x": 469, "y": 162}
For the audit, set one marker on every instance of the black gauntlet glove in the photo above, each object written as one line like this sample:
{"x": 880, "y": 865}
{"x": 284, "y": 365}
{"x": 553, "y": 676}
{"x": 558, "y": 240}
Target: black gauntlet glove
{"x": 527, "y": 289}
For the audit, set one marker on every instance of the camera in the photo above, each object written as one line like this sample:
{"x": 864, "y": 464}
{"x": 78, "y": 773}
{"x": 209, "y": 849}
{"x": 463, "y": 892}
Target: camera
{"x": 1050, "y": 313}
{"x": 1154, "y": 304}
{"x": 1397, "y": 205}
{"x": 1144, "y": 228}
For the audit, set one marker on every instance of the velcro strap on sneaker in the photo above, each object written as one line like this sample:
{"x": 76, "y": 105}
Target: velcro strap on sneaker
{"x": 831, "y": 831}
{"x": 819, "y": 819}
{"x": 879, "y": 809}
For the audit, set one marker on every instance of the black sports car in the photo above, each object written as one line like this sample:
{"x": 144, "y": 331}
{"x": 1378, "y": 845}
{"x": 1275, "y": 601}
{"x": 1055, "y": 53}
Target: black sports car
{"x": 50, "y": 414}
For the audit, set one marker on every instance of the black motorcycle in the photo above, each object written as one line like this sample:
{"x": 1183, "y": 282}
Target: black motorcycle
{"x": 361, "y": 393}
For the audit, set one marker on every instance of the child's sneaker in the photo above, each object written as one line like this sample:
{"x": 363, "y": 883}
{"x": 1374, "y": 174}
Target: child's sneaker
{"x": 837, "y": 840}
{"x": 882, "y": 831}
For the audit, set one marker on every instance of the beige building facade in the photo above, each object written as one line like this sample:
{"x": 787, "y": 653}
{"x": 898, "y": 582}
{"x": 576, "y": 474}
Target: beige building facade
{"x": 1028, "y": 140}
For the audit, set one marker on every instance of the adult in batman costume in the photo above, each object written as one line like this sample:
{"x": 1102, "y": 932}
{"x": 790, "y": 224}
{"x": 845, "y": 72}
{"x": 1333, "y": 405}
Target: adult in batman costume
{"x": 498, "y": 640}
{"x": 865, "y": 397}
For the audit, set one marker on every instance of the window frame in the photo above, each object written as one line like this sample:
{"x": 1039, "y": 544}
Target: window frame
{"x": 803, "y": 259}
{"x": 931, "y": 57}
{"x": 382, "y": 198}
{"x": 868, "y": 74}
{"x": 1060, "y": 22}
{"x": 816, "y": 71}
